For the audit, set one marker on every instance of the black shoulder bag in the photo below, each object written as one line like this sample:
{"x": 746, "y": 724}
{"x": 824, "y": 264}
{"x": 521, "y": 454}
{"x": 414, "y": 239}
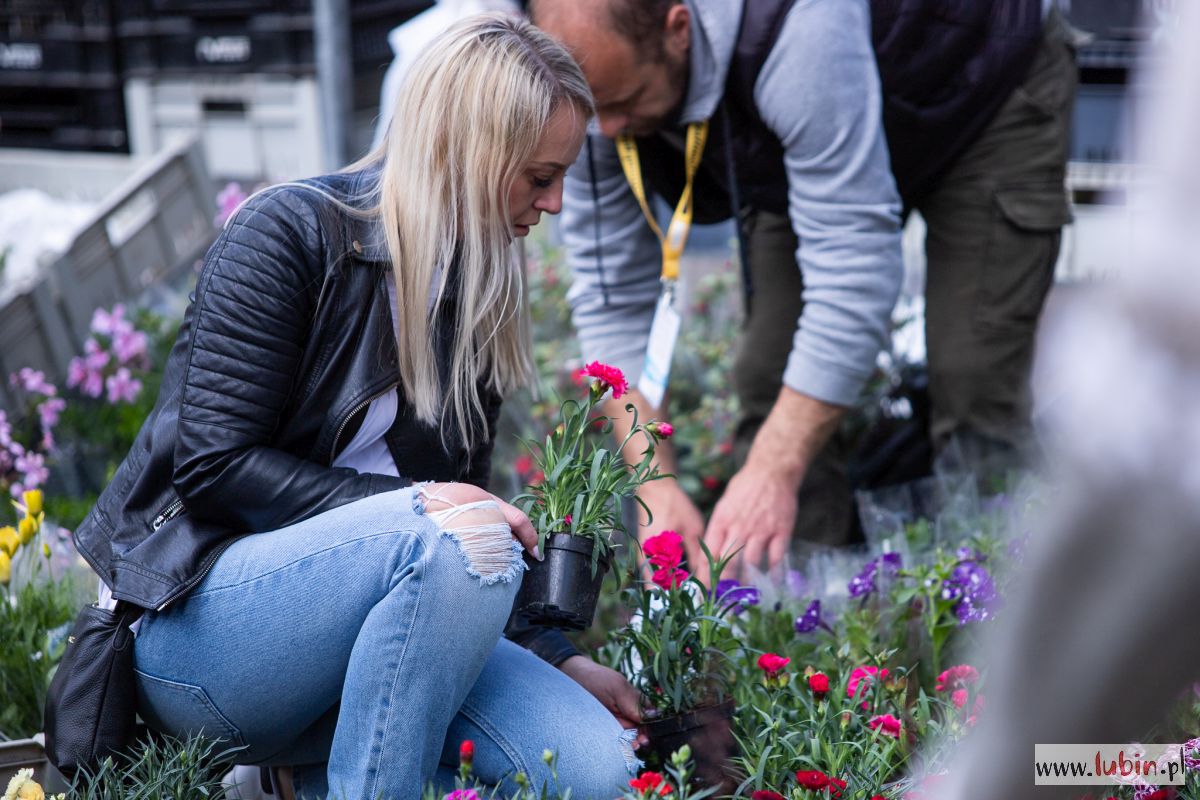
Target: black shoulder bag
{"x": 91, "y": 706}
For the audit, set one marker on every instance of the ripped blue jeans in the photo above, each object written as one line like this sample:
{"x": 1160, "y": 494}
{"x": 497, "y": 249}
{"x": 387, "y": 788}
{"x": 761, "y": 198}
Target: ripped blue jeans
{"x": 361, "y": 646}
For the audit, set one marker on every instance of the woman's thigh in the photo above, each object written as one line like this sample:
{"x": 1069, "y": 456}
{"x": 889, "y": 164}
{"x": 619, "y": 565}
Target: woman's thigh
{"x": 258, "y": 653}
{"x": 520, "y": 707}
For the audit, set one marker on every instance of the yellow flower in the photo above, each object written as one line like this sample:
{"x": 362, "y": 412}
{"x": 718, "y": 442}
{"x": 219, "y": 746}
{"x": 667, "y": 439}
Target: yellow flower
{"x": 5, "y": 571}
{"x": 9, "y": 541}
{"x": 24, "y": 787}
{"x": 33, "y": 501}
{"x": 28, "y": 528}
{"x": 46, "y": 549}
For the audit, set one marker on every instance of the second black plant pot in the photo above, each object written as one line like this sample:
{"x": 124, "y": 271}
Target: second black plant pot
{"x": 561, "y": 592}
{"x": 708, "y": 732}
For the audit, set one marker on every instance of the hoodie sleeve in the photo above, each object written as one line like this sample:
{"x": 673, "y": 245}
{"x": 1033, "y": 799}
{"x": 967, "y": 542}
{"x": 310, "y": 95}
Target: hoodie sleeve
{"x": 819, "y": 92}
{"x": 615, "y": 259}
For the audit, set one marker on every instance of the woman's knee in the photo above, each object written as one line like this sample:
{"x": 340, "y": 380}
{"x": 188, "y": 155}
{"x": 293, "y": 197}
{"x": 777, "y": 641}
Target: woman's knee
{"x": 599, "y": 764}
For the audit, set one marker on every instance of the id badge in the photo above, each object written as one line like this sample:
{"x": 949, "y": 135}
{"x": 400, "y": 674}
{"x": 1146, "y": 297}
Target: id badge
{"x": 663, "y": 334}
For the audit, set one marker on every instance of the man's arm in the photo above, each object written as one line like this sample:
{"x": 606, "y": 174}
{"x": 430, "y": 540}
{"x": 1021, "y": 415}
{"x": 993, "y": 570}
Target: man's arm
{"x": 819, "y": 91}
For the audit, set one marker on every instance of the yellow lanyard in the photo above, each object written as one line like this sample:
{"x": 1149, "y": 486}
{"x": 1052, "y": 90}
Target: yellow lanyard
{"x": 681, "y": 220}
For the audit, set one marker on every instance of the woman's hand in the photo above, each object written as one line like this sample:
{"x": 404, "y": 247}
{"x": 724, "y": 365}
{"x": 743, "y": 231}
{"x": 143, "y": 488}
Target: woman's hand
{"x": 446, "y": 495}
{"x": 610, "y": 688}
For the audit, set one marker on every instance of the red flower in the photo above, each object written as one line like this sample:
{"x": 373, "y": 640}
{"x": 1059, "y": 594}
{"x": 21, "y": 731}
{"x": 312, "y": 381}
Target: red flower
{"x": 865, "y": 676}
{"x": 878, "y": 797}
{"x": 836, "y": 785}
{"x": 958, "y": 677}
{"x": 664, "y": 550}
{"x": 710, "y": 482}
{"x": 567, "y": 520}
{"x": 772, "y": 664}
{"x": 651, "y": 780}
{"x": 766, "y": 794}
{"x": 669, "y": 577}
{"x": 819, "y": 683}
{"x": 812, "y": 779}
{"x": 885, "y": 724}
{"x": 523, "y": 465}
{"x": 608, "y": 378}
{"x": 466, "y": 752}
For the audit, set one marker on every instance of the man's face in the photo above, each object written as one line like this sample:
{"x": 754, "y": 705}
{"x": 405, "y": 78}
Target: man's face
{"x": 636, "y": 92}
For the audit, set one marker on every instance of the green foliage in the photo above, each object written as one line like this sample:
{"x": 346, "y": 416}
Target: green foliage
{"x": 34, "y": 623}
{"x": 159, "y": 768}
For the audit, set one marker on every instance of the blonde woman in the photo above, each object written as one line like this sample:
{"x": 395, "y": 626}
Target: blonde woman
{"x": 326, "y": 582}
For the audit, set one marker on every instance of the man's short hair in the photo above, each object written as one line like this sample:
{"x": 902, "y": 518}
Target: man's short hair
{"x": 639, "y": 22}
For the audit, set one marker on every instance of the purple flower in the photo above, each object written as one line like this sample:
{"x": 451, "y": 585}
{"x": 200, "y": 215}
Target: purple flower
{"x": 122, "y": 386}
{"x": 228, "y": 199}
{"x": 971, "y": 588}
{"x": 112, "y": 323}
{"x": 1191, "y": 754}
{"x": 731, "y": 593}
{"x": 129, "y": 345}
{"x": 33, "y": 381}
{"x": 797, "y": 586}
{"x": 48, "y": 412}
{"x": 810, "y": 620}
{"x": 33, "y": 469}
{"x": 864, "y": 583}
{"x": 5, "y": 430}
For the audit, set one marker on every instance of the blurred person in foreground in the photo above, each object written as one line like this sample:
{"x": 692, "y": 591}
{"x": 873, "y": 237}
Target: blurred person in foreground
{"x": 779, "y": 109}
{"x": 1098, "y": 641}
{"x": 304, "y": 515}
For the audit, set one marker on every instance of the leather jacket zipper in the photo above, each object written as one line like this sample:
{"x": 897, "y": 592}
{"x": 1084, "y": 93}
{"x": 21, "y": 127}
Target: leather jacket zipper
{"x": 341, "y": 428}
{"x": 181, "y": 591}
{"x": 169, "y": 513}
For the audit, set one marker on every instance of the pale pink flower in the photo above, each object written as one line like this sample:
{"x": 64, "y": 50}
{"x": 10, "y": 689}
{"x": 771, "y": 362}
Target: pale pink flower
{"x": 122, "y": 386}
{"x": 129, "y": 345}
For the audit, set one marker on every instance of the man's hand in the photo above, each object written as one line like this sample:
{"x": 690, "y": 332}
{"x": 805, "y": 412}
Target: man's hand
{"x": 757, "y": 513}
{"x": 673, "y": 510}
{"x": 610, "y": 688}
{"x": 758, "y": 510}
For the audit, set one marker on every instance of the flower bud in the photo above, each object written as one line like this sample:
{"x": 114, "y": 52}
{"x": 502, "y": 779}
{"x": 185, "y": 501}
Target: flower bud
{"x": 9, "y": 540}
{"x": 27, "y": 528}
{"x": 681, "y": 756}
{"x": 548, "y": 757}
{"x": 33, "y": 501}
{"x": 466, "y": 752}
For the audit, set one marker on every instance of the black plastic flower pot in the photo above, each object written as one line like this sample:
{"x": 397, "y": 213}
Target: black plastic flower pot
{"x": 708, "y": 731}
{"x": 561, "y": 592}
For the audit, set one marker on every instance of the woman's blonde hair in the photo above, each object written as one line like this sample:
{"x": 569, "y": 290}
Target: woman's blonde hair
{"x": 469, "y": 115}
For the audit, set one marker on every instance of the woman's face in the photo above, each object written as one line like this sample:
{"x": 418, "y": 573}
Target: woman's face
{"x": 539, "y": 187}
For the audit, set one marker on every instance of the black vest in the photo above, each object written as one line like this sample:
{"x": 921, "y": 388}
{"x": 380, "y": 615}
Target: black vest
{"x": 946, "y": 67}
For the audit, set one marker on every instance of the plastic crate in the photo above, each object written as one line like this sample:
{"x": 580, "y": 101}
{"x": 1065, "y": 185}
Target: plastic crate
{"x": 252, "y": 127}
{"x": 152, "y": 222}
{"x": 1122, "y": 19}
{"x": 1099, "y": 129}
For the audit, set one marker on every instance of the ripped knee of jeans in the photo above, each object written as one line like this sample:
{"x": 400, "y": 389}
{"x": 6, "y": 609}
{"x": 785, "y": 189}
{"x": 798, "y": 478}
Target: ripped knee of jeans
{"x": 627, "y": 742}
{"x": 483, "y": 538}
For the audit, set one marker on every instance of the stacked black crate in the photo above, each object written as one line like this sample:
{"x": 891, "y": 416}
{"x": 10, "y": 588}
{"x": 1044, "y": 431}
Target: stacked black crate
{"x": 60, "y": 86}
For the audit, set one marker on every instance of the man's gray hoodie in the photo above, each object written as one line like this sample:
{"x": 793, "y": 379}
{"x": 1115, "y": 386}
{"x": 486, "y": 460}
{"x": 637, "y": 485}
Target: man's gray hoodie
{"x": 819, "y": 92}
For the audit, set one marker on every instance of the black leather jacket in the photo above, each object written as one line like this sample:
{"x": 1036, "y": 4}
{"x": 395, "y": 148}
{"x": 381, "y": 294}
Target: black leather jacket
{"x": 287, "y": 339}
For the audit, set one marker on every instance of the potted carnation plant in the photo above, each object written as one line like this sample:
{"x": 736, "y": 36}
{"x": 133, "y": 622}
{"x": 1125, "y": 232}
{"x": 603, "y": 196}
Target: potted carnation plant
{"x": 678, "y": 652}
{"x": 576, "y": 507}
